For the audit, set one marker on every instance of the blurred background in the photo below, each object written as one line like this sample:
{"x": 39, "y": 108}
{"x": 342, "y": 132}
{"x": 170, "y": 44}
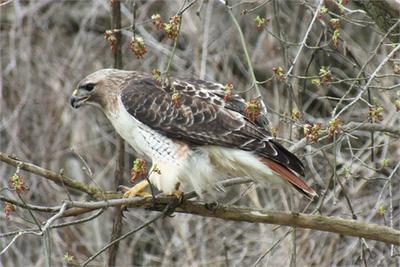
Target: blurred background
{"x": 46, "y": 47}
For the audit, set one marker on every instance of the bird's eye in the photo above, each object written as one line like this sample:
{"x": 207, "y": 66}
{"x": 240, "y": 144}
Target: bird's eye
{"x": 88, "y": 87}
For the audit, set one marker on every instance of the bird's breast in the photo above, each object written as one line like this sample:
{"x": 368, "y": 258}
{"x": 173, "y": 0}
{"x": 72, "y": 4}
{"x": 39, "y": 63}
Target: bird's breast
{"x": 143, "y": 139}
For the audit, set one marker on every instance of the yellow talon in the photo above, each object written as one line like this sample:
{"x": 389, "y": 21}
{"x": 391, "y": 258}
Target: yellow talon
{"x": 137, "y": 190}
{"x": 178, "y": 193}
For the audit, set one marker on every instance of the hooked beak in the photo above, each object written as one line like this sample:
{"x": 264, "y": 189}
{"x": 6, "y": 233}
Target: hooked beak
{"x": 78, "y": 98}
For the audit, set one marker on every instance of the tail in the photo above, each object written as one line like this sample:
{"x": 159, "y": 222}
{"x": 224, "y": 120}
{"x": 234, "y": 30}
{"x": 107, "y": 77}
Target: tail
{"x": 290, "y": 177}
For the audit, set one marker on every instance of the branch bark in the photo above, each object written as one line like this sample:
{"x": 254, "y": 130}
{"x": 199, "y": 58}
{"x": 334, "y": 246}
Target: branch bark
{"x": 225, "y": 212}
{"x": 321, "y": 223}
{"x": 119, "y": 168}
{"x": 53, "y": 176}
{"x": 244, "y": 214}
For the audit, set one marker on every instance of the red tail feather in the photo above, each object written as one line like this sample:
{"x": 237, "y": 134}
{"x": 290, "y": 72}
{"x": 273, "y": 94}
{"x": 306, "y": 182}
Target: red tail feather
{"x": 289, "y": 176}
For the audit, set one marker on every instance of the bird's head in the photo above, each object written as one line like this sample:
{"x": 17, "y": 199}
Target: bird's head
{"x": 99, "y": 88}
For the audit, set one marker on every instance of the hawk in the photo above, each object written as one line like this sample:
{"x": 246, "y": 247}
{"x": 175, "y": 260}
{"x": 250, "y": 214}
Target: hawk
{"x": 190, "y": 131}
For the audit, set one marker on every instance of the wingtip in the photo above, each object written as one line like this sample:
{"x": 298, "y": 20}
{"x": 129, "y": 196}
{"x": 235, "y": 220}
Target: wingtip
{"x": 310, "y": 194}
{"x": 292, "y": 178}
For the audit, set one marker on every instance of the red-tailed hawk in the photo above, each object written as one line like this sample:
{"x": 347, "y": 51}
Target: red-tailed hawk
{"x": 189, "y": 131}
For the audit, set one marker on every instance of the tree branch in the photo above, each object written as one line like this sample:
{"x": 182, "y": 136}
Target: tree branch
{"x": 372, "y": 127}
{"x": 350, "y": 127}
{"x": 304, "y": 38}
{"x": 371, "y": 78}
{"x": 120, "y": 162}
{"x": 53, "y": 176}
{"x": 243, "y": 214}
{"x": 30, "y": 206}
{"x": 249, "y": 63}
{"x": 225, "y": 212}
{"x": 234, "y": 213}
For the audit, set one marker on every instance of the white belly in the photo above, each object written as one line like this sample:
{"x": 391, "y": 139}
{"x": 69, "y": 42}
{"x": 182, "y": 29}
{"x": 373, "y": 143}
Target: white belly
{"x": 149, "y": 144}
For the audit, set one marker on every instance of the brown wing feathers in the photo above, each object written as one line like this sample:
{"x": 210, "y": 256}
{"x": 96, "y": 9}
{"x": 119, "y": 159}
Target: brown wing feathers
{"x": 202, "y": 117}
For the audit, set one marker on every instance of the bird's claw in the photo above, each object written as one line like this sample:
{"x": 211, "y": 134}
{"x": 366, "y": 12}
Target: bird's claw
{"x": 171, "y": 207}
{"x": 178, "y": 193}
{"x": 176, "y": 202}
{"x": 212, "y": 206}
{"x": 179, "y": 196}
{"x": 135, "y": 191}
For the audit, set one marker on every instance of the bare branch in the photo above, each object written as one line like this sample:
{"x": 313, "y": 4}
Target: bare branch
{"x": 243, "y": 214}
{"x": 30, "y": 206}
{"x": 250, "y": 65}
{"x": 305, "y": 38}
{"x": 120, "y": 162}
{"x": 371, "y": 78}
{"x": 39, "y": 233}
{"x": 372, "y": 127}
{"x": 74, "y": 222}
{"x": 50, "y": 175}
{"x": 115, "y": 241}
{"x": 352, "y": 126}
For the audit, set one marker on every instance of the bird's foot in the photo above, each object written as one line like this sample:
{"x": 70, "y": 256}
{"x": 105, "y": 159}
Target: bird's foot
{"x": 179, "y": 198}
{"x": 212, "y": 206}
{"x": 136, "y": 191}
{"x": 178, "y": 193}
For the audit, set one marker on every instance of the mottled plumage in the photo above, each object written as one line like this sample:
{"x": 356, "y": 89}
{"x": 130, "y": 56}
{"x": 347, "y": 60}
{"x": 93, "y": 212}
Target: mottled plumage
{"x": 187, "y": 128}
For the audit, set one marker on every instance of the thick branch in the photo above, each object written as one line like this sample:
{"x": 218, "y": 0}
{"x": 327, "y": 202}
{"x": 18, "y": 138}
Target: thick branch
{"x": 235, "y": 213}
{"x": 321, "y": 223}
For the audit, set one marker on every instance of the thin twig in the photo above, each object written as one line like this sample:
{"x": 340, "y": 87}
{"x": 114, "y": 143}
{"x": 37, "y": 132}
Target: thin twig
{"x": 179, "y": 14}
{"x": 258, "y": 261}
{"x": 373, "y": 54}
{"x": 204, "y": 46}
{"x": 305, "y": 38}
{"x": 352, "y": 126}
{"x": 125, "y": 236}
{"x": 75, "y": 222}
{"x": 30, "y": 212}
{"x": 39, "y": 233}
{"x": 371, "y": 78}
{"x": 186, "y": 7}
{"x": 249, "y": 64}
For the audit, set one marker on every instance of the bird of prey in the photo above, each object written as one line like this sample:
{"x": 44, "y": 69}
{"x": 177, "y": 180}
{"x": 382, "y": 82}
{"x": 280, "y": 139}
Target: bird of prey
{"x": 190, "y": 130}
